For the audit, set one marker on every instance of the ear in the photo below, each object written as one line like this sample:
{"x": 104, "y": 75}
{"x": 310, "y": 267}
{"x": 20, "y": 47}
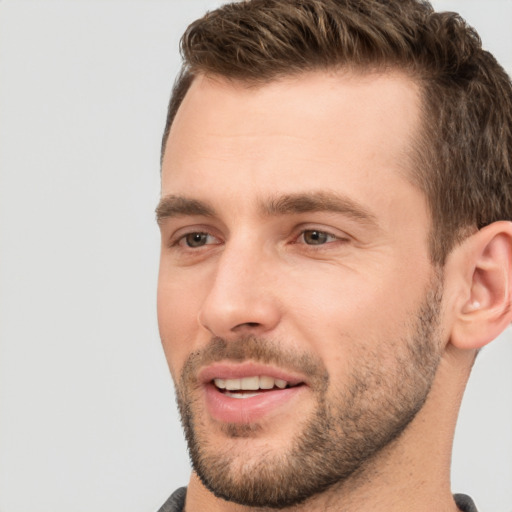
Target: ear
{"x": 483, "y": 306}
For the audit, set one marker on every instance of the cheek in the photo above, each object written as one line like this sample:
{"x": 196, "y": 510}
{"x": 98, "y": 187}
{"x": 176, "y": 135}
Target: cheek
{"x": 354, "y": 312}
{"x": 177, "y": 309}
{"x": 344, "y": 300}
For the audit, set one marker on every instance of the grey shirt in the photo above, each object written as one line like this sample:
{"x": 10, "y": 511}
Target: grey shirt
{"x": 176, "y": 503}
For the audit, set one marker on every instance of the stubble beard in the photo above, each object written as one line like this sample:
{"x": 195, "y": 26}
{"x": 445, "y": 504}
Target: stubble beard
{"x": 343, "y": 434}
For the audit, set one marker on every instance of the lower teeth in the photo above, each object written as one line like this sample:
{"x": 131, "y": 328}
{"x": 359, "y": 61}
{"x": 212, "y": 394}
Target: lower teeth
{"x": 247, "y": 394}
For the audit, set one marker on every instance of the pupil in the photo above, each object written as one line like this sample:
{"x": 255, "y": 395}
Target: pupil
{"x": 196, "y": 239}
{"x": 315, "y": 237}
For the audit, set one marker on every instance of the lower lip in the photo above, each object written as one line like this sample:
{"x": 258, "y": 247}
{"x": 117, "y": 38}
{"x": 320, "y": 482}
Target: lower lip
{"x": 247, "y": 410}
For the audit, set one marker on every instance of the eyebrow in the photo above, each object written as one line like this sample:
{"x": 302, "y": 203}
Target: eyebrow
{"x": 318, "y": 202}
{"x": 176, "y": 206}
{"x": 287, "y": 204}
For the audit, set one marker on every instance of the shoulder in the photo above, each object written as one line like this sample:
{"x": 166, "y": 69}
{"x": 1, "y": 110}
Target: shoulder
{"x": 465, "y": 503}
{"x": 176, "y": 501}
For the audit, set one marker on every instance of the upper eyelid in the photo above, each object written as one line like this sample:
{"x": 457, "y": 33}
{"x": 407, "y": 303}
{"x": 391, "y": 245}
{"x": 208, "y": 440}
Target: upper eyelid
{"x": 324, "y": 231}
{"x": 181, "y": 241}
{"x": 337, "y": 233}
{"x": 180, "y": 236}
{"x": 335, "y": 238}
{"x": 295, "y": 232}
{"x": 186, "y": 229}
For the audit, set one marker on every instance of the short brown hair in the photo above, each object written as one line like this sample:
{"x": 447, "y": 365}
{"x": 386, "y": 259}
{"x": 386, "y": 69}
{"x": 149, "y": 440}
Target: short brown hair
{"x": 463, "y": 162}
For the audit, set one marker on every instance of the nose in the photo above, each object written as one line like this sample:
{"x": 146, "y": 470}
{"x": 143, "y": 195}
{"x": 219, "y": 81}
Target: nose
{"x": 242, "y": 298}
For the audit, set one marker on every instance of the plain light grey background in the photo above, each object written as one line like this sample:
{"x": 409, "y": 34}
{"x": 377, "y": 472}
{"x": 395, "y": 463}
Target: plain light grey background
{"x": 87, "y": 415}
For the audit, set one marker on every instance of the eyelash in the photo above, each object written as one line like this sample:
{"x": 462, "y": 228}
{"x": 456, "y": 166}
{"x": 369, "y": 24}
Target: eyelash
{"x": 178, "y": 241}
{"x": 182, "y": 240}
{"x": 322, "y": 236}
{"x": 326, "y": 236}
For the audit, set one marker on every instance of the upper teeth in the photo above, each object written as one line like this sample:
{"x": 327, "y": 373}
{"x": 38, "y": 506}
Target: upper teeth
{"x": 250, "y": 383}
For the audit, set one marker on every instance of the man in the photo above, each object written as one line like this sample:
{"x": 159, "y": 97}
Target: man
{"x": 336, "y": 248}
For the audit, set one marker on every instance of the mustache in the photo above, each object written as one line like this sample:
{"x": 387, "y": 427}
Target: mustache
{"x": 256, "y": 349}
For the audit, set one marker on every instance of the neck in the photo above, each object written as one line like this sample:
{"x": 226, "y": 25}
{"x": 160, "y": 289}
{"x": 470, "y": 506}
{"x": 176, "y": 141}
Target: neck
{"x": 412, "y": 473}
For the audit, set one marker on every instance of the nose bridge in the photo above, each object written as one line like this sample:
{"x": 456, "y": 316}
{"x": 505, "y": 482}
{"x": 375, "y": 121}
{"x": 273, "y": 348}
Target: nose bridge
{"x": 241, "y": 296}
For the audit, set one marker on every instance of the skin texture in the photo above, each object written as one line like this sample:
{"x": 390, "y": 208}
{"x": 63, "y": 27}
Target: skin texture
{"x": 253, "y": 178}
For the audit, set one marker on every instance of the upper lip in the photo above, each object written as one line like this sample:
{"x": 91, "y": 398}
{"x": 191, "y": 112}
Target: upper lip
{"x": 229, "y": 370}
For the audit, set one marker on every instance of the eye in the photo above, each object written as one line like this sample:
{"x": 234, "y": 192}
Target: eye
{"x": 197, "y": 239}
{"x": 316, "y": 237}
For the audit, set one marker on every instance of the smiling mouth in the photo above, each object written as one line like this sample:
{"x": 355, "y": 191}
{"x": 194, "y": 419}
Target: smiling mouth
{"x": 247, "y": 387}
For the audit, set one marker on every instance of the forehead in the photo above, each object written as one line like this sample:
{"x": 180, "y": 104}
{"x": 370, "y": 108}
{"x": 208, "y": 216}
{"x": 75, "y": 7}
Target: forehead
{"x": 338, "y": 129}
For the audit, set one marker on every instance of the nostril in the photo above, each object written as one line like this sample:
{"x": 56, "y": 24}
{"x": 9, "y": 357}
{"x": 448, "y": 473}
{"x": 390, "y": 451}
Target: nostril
{"x": 249, "y": 325}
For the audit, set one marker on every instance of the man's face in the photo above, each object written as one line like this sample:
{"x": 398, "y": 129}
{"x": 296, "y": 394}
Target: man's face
{"x": 297, "y": 303}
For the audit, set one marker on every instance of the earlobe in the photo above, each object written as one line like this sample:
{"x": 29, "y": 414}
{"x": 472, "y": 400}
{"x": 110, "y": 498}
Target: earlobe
{"x": 485, "y": 307}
